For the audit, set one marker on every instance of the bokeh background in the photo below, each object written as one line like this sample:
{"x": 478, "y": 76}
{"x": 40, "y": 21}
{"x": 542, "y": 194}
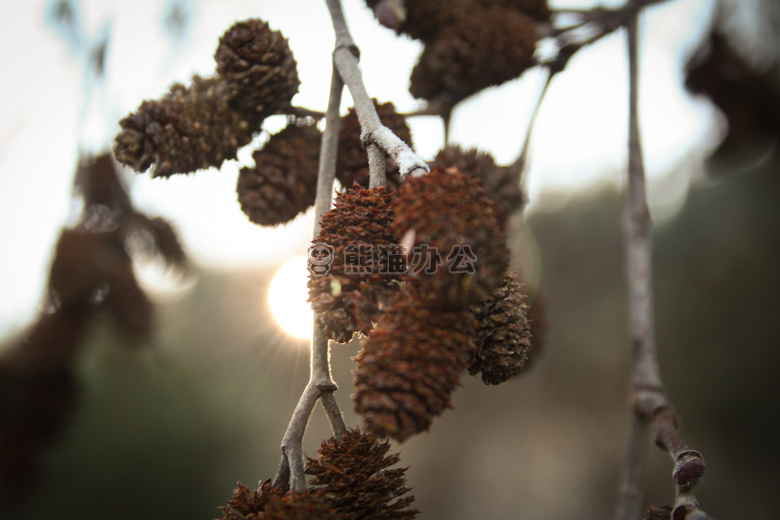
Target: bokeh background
{"x": 165, "y": 429}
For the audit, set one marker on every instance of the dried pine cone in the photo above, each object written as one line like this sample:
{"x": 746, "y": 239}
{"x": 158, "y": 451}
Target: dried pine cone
{"x": 258, "y": 67}
{"x": 352, "y": 161}
{"x": 247, "y": 504}
{"x": 271, "y": 503}
{"x": 502, "y": 335}
{"x": 454, "y": 243}
{"x": 410, "y": 364}
{"x": 299, "y": 506}
{"x": 352, "y": 473}
{"x": 190, "y": 128}
{"x": 424, "y": 19}
{"x": 365, "y": 265}
{"x": 486, "y": 48}
{"x": 283, "y": 182}
{"x": 499, "y": 183}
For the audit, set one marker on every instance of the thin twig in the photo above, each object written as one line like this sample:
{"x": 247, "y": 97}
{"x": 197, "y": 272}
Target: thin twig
{"x": 645, "y": 379}
{"x": 290, "y": 472}
{"x": 345, "y": 56}
{"x": 650, "y": 406}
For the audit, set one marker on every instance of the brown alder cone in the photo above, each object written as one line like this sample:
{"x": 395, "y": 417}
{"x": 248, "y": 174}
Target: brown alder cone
{"x": 455, "y": 246}
{"x": 283, "y": 182}
{"x": 502, "y": 334}
{"x": 352, "y": 160}
{"x": 499, "y": 183}
{"x": 271, "y": 503}
{"x": 190, "y": 128}
{"x": 347, "y": 299}
{"x": 258, "y": 67}
{"x": 486, "y": 48}
{"x": 410, "y": 364}
{"x": 424, "y": 19}
{"x": 352, "y": 472}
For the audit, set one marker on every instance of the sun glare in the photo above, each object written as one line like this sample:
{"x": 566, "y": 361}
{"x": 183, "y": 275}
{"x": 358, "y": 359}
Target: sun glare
{"x": 287, "y": 298}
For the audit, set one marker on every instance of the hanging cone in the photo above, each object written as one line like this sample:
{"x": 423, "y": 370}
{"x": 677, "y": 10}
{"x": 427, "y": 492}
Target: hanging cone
{"x": 352, "y": 472}
{"x": 259, "y": 68}
{"x": 366, "y": 262}
{"x": 190, "y": 128}
{"x": 450, "y": 237}
{"x": 499, "y": 183}
{"x": 410, "y": 364}
{"x": 271, "y": 503}
{"x": 423, "y": 19}
{"x": 486, "y": 48}
{"x": 502, "y": 334}
{"x": 283, "y": 182}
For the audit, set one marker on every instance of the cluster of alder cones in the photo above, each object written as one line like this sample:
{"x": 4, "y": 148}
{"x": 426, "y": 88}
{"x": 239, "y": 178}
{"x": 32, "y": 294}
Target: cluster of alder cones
{"x": 424, "y": 273}
{"x": 419, "y": 266}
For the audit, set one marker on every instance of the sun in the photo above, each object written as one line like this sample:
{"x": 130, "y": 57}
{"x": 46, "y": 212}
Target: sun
{"x": 287, "y": 297}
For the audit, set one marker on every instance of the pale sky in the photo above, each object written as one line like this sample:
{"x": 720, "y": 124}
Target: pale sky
{"x": 578, "y": 142}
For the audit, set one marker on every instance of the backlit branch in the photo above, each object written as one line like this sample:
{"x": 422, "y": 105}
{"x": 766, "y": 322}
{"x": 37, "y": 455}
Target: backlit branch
{"x": 650, "y": 406}
{"x": 373, "y": 132}
{"x": 290, "y": 473}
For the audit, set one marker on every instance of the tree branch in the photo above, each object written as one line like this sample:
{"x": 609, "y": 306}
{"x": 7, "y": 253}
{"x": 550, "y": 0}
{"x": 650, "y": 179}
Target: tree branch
{"x": 645, "y": 379}
{"x": 650, "y": 406}
{"x": 290, "y": 472}
{"x": 345, "y": 57}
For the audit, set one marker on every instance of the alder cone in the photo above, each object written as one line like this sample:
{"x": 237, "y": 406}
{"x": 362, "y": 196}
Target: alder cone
{"x": 258, "y": 67}
{"x": 352, "y": 472}
{"x": 249, "y": 504}
{"x": 271, "y": 503}
{"x": 352, "y": 160}
{"x": 299, "y": 506}
{"x": 410, "y": 364}
{"x": 190, "y": 128}
{"x": 348, "y": 298}
{"x": 425, "y": 18}
{"x": 502, "y": 334}
{"x": 499, "y": 183}
{"x": 486, "y": 48}
{"x": 283, "y": 182}
{"x": 455, "y": 245}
